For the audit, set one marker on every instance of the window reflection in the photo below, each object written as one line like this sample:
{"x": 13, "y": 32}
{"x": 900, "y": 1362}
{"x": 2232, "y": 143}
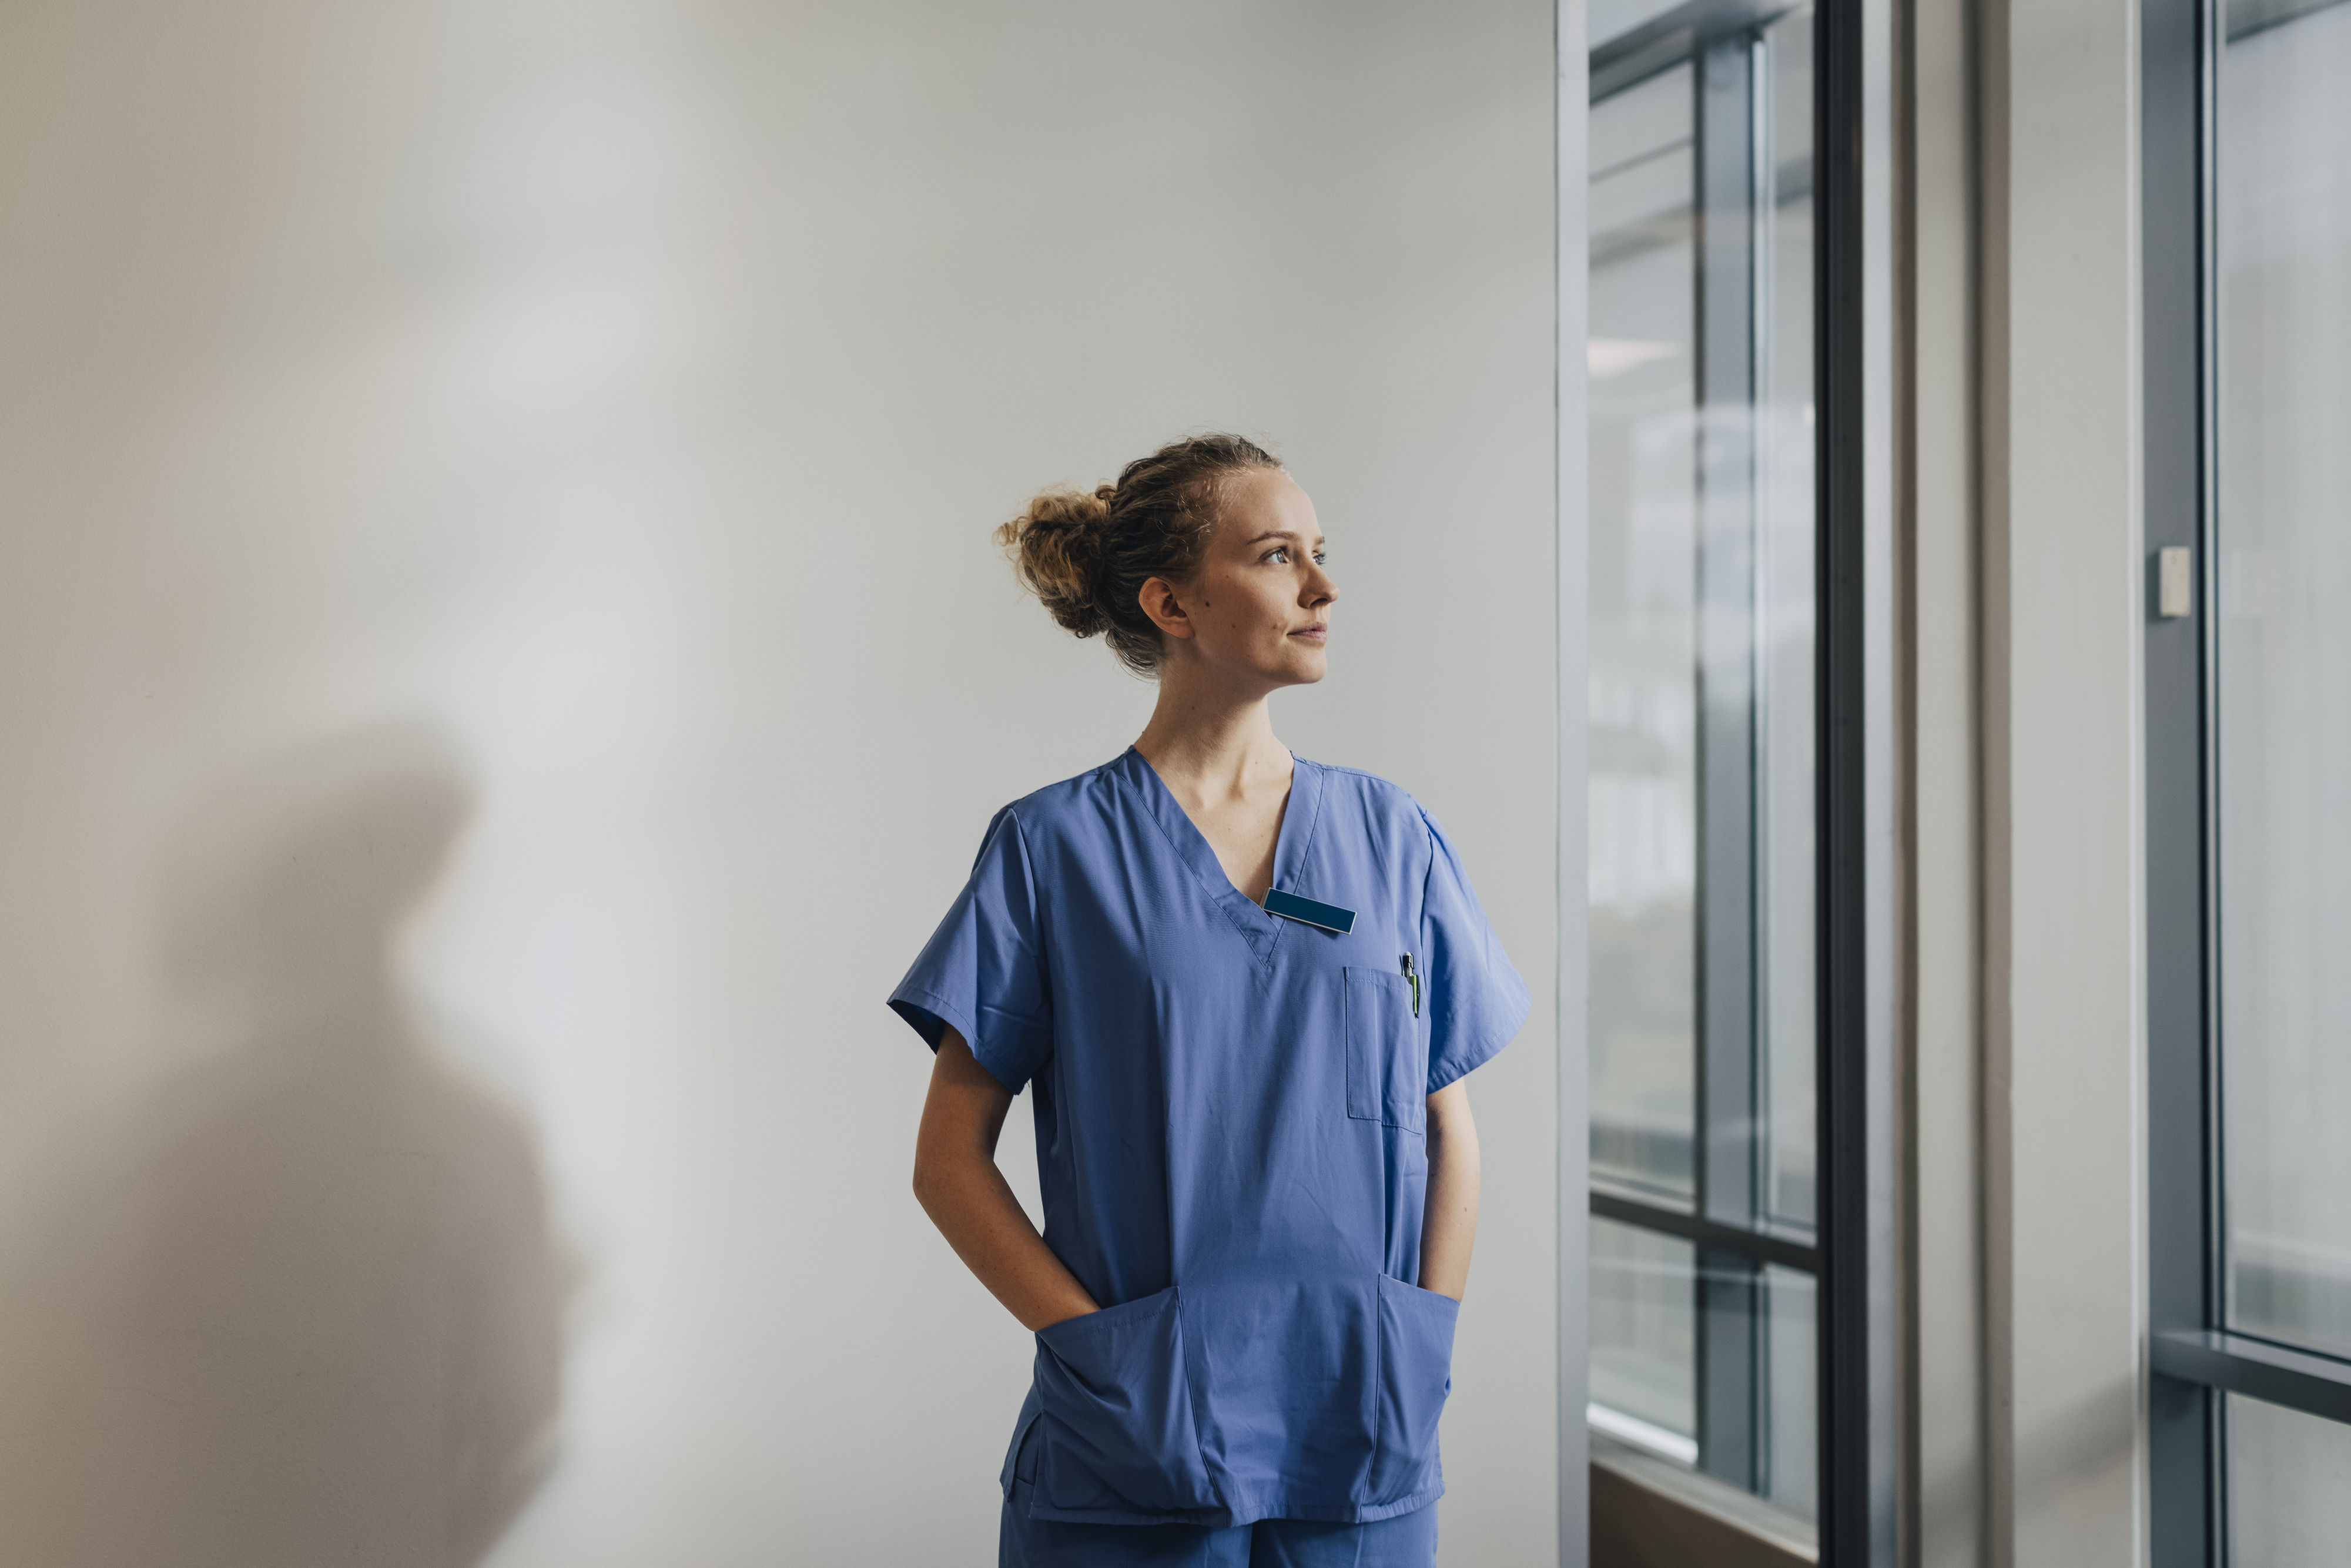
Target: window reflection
{"x": 1642, "y": 594}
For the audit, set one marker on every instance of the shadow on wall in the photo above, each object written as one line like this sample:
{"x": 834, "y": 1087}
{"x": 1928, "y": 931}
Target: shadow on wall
{"x": 302, "y": 1304}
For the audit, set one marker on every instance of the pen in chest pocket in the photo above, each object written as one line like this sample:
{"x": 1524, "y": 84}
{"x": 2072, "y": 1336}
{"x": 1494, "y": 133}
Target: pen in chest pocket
{"x": 1413, "y": 976}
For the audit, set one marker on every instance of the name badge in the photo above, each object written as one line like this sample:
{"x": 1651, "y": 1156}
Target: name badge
{"x": 1306, "y": 911}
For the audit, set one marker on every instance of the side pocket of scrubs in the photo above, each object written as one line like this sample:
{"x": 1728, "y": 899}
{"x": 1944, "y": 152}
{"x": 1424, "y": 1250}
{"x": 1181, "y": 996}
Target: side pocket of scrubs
{"x": 1117, "y": 1403}
{"x": 1415, "y": 1376}
{"x": 1387, "y": 1077}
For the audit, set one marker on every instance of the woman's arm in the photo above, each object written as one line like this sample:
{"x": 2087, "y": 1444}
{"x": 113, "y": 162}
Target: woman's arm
{"x": 958, "y": 1186}
{"x": 1448, "y": 1226}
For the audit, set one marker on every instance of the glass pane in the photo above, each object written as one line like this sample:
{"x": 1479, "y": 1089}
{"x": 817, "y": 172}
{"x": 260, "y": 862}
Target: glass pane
{"x": 2288, "y": 1475}
{"x": 1792, "y": 1400}
{"x": 1644, "y": 1339}
{"x": 1785, "y": 737}
{"x": 1715, "y": 1367}
{"x": 1701, "y": 583}
{"x": 1644, "y": 479}
{"x": 2284, "y": 665}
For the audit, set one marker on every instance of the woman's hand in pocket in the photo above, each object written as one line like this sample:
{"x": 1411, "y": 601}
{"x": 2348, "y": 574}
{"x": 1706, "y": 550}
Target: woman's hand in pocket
{"x": 958, "y": 1186}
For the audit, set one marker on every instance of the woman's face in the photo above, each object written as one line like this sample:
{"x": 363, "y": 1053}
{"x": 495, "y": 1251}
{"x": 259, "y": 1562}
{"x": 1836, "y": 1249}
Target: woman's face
{"x": 1257, "y": 612}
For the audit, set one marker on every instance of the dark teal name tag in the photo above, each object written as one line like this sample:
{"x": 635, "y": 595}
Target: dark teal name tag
{"x": 1329, "y": 916}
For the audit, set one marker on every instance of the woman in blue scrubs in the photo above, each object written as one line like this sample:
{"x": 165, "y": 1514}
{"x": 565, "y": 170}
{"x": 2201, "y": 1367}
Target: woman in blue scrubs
{"x": 1244, "y": 989}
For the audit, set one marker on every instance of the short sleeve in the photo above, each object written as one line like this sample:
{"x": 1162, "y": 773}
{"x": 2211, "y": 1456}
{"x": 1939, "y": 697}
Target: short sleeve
{"x": 1477, "y": 1001}
{"x": 983, "y": 971}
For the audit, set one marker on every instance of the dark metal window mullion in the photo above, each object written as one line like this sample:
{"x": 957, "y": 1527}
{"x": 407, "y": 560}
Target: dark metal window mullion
{"x": 2260, "y": 1369}
{"x": 2210, "y": 33}
{"x": 2185, "y": 1428}
{"x": 1730, "y": 1283}
{"x": 1841, "y": 387}
{"x": 1761, "y": 1246}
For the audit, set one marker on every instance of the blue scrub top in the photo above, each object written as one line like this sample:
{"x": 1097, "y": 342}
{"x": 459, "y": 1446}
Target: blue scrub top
{"x": 1230, "y": 1137}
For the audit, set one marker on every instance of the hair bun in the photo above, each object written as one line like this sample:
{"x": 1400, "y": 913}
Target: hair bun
{"x": 1056, "y": 548}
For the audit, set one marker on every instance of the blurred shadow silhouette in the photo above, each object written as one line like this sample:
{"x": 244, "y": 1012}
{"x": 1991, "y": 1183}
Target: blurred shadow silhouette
{"x": 303, "y": 1307}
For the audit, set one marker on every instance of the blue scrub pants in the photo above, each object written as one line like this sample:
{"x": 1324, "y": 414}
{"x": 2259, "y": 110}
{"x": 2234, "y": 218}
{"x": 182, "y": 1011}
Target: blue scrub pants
{"x": 1408, "y": 1540}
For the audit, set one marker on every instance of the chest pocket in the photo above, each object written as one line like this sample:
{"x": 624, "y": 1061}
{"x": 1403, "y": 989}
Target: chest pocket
{"x": 1387, "y": 1077}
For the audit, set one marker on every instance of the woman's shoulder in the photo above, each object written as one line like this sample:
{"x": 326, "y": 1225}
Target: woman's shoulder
{"x": 1382, "y": 803}
{"x": 1066, "y": 804}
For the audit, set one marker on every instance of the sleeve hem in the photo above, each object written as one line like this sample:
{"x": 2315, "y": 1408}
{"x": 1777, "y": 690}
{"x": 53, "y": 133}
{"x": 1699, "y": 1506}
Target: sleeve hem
{"x": 1459, "y": 1067}
{"x": 923, "y": 1009}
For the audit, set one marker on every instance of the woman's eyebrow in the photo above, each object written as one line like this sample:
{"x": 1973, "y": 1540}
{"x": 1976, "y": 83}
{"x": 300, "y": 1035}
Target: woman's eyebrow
{"x": 1282, "y": 534}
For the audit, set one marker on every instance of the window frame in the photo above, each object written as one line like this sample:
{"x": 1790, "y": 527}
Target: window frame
{"x": 2194, "y": 1359}
{"x": 1853, "y": 1065}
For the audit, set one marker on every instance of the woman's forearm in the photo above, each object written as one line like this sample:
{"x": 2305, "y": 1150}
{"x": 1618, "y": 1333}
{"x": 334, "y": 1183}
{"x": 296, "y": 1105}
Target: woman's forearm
{"x": 1448, "y": 1228}
{"x": 974, "y": 1208}
{"x": 959, "y": 1185}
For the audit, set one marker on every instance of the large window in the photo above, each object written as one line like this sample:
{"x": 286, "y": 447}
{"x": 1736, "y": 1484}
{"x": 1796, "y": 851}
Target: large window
{"x": 1705, "y": 701}
{"x": 2250, "y": 777}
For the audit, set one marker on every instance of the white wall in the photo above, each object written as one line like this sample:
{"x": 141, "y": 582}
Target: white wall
{"x": 501, "y": 666}
{"x": 2064, "y": 930}
{"x": 1942, "y": 1123}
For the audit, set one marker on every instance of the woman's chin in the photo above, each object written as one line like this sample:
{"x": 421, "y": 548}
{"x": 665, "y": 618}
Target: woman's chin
{"x": 1307, "y": 669}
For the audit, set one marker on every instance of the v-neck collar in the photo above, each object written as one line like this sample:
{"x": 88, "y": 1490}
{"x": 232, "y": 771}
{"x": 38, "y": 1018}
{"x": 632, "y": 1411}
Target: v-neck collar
{"x": 1292, "y": 845}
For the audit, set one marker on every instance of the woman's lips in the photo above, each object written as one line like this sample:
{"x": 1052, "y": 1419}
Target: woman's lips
{"x": 1315, "y": 634}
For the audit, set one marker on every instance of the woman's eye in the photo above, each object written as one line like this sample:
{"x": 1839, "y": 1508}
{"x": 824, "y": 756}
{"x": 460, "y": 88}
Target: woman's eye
{"x": 1278, "y": 555}
{"x": 1320, "y": 559}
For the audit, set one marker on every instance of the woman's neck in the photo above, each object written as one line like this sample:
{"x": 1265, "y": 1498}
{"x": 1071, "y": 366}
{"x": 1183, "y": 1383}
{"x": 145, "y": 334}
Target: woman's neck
{"x": 1210, "y": 745}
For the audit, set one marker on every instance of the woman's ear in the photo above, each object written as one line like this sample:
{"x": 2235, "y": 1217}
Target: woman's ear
{"x": 1159, "y": 601}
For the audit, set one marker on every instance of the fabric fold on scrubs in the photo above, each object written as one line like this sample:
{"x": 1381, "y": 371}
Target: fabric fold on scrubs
{"x": 1231, "y": 1124}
